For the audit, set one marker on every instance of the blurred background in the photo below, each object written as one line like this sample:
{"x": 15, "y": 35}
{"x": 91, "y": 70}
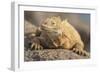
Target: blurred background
{"x": 79, "y": 20}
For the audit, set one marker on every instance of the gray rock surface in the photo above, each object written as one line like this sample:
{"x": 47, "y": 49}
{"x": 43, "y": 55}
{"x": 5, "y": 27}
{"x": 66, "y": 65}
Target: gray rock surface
{"x": 51, "y": 54}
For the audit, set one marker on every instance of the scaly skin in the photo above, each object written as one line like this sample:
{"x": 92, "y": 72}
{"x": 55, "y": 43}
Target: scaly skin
{"x": 56, "y": 33}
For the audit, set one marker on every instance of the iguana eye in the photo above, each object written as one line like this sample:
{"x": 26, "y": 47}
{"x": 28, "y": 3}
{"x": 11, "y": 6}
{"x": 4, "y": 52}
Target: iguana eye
{"x": 53, "y": 23}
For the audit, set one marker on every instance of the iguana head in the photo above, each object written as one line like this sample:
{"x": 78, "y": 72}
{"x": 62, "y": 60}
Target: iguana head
{"x": 52, "y": 25}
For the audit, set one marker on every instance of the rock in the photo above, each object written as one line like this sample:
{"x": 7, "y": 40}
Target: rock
{"x": 51, "y": 54}
{"x": 29, "y": 28}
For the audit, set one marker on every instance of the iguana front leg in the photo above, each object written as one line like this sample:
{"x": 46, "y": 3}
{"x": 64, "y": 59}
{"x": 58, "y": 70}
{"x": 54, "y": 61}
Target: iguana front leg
{"x": 35, "y": 44}
{"x": 81, "y": 52}
{"x": 78, "y": 48}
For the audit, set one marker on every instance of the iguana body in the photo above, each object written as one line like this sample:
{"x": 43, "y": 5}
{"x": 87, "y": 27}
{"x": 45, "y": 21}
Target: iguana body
{"x": 56, "y": 33}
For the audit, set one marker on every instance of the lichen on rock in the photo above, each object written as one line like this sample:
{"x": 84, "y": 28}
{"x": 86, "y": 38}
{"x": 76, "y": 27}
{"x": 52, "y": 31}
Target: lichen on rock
{"x": 51, "y": 54}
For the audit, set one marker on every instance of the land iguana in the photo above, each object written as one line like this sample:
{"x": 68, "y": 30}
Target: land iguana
{"x": 56, "y": 33}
